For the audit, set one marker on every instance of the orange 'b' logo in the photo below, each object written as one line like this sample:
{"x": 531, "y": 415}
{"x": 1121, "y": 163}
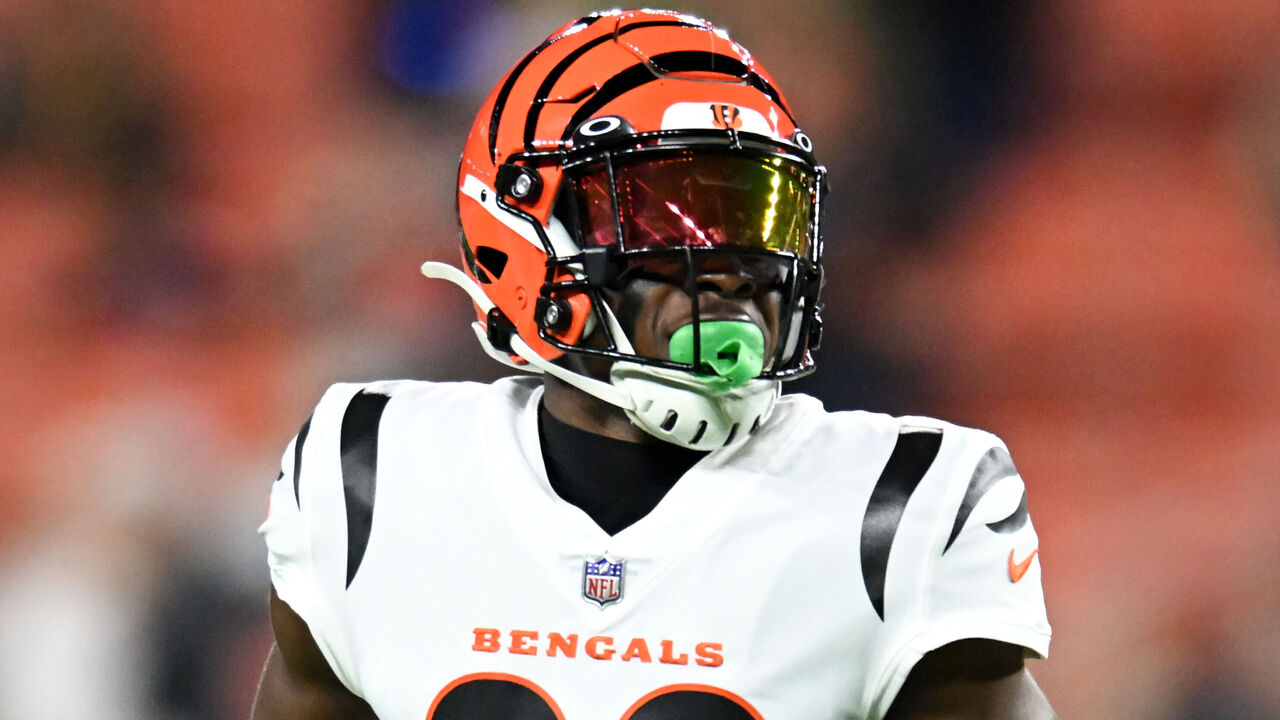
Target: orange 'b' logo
{"x": 726, "y": 117}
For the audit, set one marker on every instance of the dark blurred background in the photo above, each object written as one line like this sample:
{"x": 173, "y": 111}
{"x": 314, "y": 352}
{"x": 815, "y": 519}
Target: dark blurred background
{"x": 1058, "y": 220}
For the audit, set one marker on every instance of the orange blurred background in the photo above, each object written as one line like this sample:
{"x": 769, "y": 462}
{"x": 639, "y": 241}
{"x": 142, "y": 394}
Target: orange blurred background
{"x": 1057, "y": 220}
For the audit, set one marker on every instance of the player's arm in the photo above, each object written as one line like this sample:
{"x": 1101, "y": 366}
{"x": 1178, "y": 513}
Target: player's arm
{"x": 971, "y": 680}
{"x": 297, "y": 683}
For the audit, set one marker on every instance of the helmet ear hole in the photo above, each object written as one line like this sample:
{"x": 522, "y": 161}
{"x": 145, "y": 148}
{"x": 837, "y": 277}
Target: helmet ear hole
{"x": 492, "y": 260}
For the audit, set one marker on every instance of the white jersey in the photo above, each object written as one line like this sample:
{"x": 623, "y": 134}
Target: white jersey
{"x": 797, "y": 575}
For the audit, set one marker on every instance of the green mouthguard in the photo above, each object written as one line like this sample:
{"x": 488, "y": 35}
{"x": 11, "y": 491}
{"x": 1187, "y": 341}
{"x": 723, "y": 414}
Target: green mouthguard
{"x": 734, "y": 349}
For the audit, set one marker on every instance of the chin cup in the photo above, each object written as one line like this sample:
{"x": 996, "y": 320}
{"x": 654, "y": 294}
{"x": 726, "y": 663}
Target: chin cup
{"x": 683, "y": 409}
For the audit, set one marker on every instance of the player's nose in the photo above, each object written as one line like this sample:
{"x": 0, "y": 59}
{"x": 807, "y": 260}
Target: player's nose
{"x": 727, "y": 284}
{"x": 727, "y": 276}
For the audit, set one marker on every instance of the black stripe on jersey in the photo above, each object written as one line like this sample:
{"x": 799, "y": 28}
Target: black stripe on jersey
{"x": 535, "y": 109}
{"x": 500, "y": 102}
{"x": 994, "y": 466}
{"x": 910, "y": 460}
{"x": 359, "y": 448}
{"x": 1015, "y": 521}
{"x": 672, "y": 62}
{"x": 297, "y": 460}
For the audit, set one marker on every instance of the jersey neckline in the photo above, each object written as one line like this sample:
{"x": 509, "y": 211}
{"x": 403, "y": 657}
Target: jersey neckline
{"x": 700, "y": 503}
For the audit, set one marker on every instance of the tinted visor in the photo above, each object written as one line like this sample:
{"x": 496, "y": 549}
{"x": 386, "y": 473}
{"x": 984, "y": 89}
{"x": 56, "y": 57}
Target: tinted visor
{"x": 697, "y": 199}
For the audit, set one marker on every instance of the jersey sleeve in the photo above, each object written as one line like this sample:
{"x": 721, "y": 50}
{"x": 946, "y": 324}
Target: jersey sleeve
{"x": 969, "y": 564}
{"x": 305, "y": 528}
{"x": 986, "y": 573}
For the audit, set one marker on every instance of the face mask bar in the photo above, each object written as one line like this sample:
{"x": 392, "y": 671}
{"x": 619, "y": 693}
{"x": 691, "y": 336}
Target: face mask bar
{"x": 790, "y": 305}
{"x": 796, "y": 282}
{"x": 595, "y": 269}
{"x": 617, "y": 250}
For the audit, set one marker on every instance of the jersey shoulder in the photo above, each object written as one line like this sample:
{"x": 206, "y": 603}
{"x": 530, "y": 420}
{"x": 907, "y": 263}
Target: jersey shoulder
{"x": 360, "y": 438}
{"x": 947, "y": 470}
{"x": 354, "y": 424}
{"x": 347, "y": 415}
{"x": 349, "y": 411}
{"x": 359, "y": 445}
{"x": 843, "y": 437}
{"x": 934, "y": 477}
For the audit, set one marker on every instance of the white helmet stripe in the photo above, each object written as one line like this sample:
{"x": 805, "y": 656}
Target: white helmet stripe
{"x": 564, "y": 246}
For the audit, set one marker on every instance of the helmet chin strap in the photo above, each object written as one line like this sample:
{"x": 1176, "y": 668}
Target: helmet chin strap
{"x": 671, "y": 405}
{"x": 597, "y": 388}
{"x": 681, "y": 408}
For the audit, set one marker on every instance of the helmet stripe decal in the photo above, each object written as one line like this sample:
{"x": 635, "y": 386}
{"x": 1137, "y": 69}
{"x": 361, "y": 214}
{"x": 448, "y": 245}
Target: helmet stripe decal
{"x": 680, "y": 61}
{"x": 359, "y": 456}
{"x": 544, "y": 90}
{"x": 910, "y": 460}
{"x": 501, "y": 101}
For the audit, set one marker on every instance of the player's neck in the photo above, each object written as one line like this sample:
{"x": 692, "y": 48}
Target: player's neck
{"x": 576, "y": 408}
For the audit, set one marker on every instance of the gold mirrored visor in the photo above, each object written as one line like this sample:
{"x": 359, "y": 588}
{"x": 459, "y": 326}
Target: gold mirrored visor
{"x": 697, "y": 198}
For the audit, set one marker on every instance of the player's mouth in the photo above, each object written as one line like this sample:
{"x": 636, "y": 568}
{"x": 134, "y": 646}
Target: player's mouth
{"x": 713, "y": 309}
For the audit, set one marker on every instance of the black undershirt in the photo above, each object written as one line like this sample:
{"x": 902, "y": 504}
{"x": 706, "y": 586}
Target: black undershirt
{"x": 613, "y": 481}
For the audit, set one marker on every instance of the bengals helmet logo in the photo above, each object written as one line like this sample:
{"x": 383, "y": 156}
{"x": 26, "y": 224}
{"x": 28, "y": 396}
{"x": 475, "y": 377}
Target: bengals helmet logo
{"x": 726, "y": 117}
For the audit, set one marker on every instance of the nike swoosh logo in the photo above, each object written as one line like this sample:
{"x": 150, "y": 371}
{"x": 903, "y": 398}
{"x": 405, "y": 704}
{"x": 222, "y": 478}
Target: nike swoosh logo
{"x": 1018, "y": 569}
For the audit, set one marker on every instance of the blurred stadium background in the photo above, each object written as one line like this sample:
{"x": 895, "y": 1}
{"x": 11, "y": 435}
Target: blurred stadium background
{"x": 1058, "y": 220}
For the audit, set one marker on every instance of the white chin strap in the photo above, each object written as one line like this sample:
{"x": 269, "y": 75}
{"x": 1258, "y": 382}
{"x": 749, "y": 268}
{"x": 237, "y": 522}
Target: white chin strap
{"x": 671, "y": 405}
{"x": 678, "y": 407}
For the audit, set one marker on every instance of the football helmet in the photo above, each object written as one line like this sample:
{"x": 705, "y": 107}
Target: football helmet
{"x": 643, "y": 144}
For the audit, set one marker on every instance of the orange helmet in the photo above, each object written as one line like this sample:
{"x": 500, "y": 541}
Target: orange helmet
{"x": 626, "y": 138}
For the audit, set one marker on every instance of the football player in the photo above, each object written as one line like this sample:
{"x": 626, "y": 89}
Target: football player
{"x": 648, "y": 530}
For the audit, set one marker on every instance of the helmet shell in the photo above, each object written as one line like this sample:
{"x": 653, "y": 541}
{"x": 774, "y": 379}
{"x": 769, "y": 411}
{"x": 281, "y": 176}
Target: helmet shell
{"x": 655, "y": 70}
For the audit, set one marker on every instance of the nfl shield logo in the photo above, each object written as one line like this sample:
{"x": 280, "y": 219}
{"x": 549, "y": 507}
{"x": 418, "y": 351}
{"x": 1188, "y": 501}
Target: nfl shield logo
{"x": 602, "y": 580}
